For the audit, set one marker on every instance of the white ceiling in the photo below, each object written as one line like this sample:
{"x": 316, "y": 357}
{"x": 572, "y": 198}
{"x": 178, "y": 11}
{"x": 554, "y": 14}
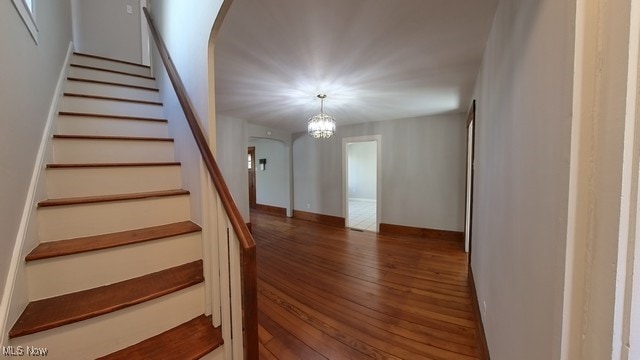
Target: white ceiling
{"x": 375, "y": 59}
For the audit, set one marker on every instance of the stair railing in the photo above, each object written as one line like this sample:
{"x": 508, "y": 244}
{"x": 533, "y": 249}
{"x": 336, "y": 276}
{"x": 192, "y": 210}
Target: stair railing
{"x": 241, "y": 252}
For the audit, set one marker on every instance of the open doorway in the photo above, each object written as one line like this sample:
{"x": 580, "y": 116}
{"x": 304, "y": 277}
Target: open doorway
{"x": 269, "y": 176}
{"x": 468, "y": 221}
{"x": 251, "y": 166}
{"x": 361, "y": 182}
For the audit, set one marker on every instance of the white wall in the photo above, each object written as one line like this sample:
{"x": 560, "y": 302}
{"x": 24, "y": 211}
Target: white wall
{"x": 231, "y": 155}
{"x": 186, "y": 30}
{"x": 524, "y": 99}
{"x": 260, "y": 132}
{"x": 422, "y": 165}
{"x": 28, "y": 78}
{"x": 105, "y": 28}
{"x": 362, "y": 169}
{"x": 272, "y": 184}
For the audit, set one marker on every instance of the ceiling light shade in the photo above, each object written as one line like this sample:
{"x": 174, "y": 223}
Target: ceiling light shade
{"x": 321, "y": 126}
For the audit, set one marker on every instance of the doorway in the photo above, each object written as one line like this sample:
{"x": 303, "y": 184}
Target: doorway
{"x": 471, "y": 135}
{"x": 251, "y": 165}
{"x": 361, "y": 157}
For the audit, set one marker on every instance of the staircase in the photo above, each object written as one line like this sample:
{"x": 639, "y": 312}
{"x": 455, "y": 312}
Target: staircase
{"x": 118, "y": 272}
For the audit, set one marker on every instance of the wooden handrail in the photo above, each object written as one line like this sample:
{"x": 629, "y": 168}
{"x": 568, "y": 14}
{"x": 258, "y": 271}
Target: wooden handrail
{"x": 248, "y": 245}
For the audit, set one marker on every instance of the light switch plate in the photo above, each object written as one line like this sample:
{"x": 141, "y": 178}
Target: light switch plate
{"x": 129, "y": 9}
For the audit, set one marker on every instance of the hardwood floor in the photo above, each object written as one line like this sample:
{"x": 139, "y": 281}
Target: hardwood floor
{"x": 333, "y": 293}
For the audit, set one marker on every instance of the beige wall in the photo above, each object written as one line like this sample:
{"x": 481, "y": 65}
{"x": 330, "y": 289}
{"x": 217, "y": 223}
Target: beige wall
{"x": 28, "y": 78}
{"x": 422, "y": 167}
{"x": 362, "y": 170}
{"x": 186, "y": 30}
{"x": 272, "y": 184}
{"x": 260, "y": 132}
{"x": 523, "y": 136}
{"x": 94, "y": 31}
{"x": 231, "y": 155}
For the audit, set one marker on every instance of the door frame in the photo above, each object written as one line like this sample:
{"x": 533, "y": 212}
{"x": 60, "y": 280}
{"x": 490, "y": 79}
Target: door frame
{"x": 251, "y": 151}
{"x": 145, "y": 41}
{"x": 470, "y": 169}
{"x": 345, "y": 174}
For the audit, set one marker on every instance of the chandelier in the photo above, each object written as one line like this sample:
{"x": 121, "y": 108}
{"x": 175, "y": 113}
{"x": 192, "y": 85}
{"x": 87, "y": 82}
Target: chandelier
{"x": 321, "y": 126}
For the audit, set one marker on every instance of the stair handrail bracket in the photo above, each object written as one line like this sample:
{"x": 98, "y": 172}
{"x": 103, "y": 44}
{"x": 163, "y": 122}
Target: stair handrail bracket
{"x": 245, "y": 239}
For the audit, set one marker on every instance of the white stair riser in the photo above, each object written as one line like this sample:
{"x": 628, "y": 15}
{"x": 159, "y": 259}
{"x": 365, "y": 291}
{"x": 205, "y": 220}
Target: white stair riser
{"x": 105, "y": 334}
{"x": 72, "y": 221}
{"x": 87, "y": 125}
{"x": 110, "y": 107}
{"x": 91, "y": 74}
{"x": 77, "y": 182}
{"x": 75, "y": 151}
{"x": 217, "y": 354}
{"x": 86, "y": 88}
{"x": 111, "y": 65}
{"x": 67, "y": 274}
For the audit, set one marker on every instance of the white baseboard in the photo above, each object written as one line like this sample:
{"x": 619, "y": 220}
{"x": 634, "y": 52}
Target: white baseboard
{"x": 361, "y": 199}
{"x": 17, "y": 265}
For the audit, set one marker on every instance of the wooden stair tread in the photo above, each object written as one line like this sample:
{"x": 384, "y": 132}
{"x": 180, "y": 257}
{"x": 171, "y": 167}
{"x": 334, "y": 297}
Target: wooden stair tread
{"x": 107, "y": 116}
{"x": 107, "y": 241}
{"x": 111, "y": 98}
{"x": 111, "y": 59}
{"x": 108, "y": 198}
{"x": 100, "y": 82}
{"x": 66, "y": 309}
{"x": 107, "y": 165}
{"x": 111, "y": 71}
{"x": 109, "y": 137}
{"x": 191, "y": 340}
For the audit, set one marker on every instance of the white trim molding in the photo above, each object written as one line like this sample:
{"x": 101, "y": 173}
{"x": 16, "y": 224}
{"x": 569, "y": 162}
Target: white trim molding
{"x": 26, "y": 12}
{"x": 144, "y": 32}
{"x": 601, "y": 302}
{"x": 345, "y": 197}
{"x": 35, "y": 187}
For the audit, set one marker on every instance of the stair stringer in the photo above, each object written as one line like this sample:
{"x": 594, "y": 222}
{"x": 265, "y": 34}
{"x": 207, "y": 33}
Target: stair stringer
{"x": 15, "y": 294}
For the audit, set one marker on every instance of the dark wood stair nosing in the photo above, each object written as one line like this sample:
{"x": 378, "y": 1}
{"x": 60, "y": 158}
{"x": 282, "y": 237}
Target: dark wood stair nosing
{"x": 111, "y": 198}
{"x": 191, "y": 340}
{"x": 87, "y": 67}
{"x": 100, "y": 82}
{"x": 110, "y": 98}
{"x": 111, "y": 165}
{"x": 50, "y": 313}
{"x": 108, "y": 116}
{"x": 86, "y": 244}
{"x": 110, "y": 137}
{"x": 111, "y": 59}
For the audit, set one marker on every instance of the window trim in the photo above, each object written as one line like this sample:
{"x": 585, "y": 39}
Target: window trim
{"x": 26, "y": 13}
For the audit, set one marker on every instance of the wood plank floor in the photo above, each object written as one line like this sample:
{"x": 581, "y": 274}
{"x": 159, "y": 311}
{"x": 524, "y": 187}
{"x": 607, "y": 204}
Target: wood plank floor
{"x": 333, "y": 293}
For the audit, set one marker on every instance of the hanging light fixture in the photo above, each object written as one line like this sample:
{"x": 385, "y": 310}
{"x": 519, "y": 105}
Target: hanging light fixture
{"x": 321, "y": 126}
